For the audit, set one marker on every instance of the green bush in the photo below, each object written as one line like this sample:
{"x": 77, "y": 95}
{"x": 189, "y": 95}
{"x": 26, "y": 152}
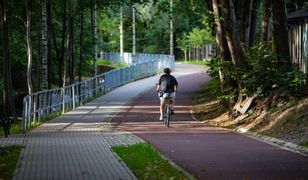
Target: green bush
{"x": 263, "y": 76}
{"x": 226, "y": 67}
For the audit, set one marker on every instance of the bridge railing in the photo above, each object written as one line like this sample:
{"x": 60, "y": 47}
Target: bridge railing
{"x": 44, "y": 105}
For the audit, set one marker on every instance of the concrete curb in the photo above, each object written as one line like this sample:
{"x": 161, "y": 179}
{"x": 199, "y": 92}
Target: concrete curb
{"x": 274, "y": 141}
{"x": 186, "y": 173}
{"x": 267, "y": 139}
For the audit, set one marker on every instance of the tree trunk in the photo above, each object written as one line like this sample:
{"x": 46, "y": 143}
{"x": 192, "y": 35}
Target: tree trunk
{"x": 222, "y": 46}
{"x": 8, "y": 101}
{"x": 54, "y": 43}
{"x": 171, "y": 29}
{"x": 232, "y": 36}
{"x": 298, "y": 4}
{"x": 94, "y": 34}
{"x": 29, "y": 46}
{"x": 39, "y": 55}
{"x": 71, "y": 42}
{"x": 44, "y": 46}
{"x": 254, "y": 22}
{"x": 81, "y": 40}
{"x": 121, "y": 35}
{"x": 266, "y": 21}
{"x": 245, "y": 18}
{"x": 281, "y": 33}
{"x": 134, "y": 29}
{"x": 63, "y": 59}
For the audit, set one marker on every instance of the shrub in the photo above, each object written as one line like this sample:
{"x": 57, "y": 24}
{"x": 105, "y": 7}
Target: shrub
{"x": 263, "y": 76}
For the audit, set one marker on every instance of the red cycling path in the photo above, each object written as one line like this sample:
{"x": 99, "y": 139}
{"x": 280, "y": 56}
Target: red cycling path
{"x": 206, "y": 152}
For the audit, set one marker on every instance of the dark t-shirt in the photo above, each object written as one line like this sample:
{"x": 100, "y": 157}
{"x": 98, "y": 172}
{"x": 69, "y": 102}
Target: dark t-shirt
{"x": 167, "y": 83}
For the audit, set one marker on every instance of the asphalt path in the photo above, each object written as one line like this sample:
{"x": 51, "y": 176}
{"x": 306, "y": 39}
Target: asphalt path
{"x": 206, "y": 152}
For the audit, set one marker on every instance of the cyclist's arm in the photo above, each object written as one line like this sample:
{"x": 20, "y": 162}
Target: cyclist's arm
{"x": 157, "y": 87}
{"x": 175, "y": 85}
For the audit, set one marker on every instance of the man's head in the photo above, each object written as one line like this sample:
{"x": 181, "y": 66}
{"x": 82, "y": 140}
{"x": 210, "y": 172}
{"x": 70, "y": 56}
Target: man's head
{"x": 167, "y": 70}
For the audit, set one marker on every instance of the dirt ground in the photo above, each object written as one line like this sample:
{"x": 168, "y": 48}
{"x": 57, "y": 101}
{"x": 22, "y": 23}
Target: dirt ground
{"x": 286, "y": 120}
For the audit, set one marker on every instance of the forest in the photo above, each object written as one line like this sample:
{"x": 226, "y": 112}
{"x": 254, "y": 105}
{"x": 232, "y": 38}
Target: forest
{"x": 52, "y": 43}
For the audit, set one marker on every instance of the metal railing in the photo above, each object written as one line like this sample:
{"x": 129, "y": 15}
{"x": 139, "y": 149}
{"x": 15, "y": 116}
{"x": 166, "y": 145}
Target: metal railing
{"x": 130, "y": 58}
{"x": 44, "y": 105}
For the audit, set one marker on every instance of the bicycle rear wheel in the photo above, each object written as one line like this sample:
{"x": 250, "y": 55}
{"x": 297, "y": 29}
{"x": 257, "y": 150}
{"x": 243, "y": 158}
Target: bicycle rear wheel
{"x": 167, "y": 116}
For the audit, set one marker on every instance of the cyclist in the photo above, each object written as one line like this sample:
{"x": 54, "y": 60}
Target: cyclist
{"x": 167, "y": 84}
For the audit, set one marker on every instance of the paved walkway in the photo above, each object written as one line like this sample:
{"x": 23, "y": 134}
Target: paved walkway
{"x": 77, "y": 144}
{"x": 207, "y": 152}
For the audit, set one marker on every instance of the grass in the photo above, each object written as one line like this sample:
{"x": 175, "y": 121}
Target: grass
{"x": 108, "y": 63}
{"x": 8, "y": 160}
{"x": 103, "y": 62}
{"x": 146, "y": 162}
{"x": 196, "y": 62}
{"x": 15, "y": 128}
{"x": 304, "y": 144}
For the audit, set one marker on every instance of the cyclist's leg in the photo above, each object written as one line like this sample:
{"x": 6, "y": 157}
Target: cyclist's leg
{"x": 161, "y": 107}
{"x": 172, "y": 102}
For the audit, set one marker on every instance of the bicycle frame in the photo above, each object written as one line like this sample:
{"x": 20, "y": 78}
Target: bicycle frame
{"x": 167, "y": 111}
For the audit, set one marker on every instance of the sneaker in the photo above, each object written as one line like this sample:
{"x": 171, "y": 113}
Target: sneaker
{"x": 161, "y": 118}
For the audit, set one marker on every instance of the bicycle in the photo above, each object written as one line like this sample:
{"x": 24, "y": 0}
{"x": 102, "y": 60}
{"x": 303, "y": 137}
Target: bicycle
{"x": 167, "y": 110}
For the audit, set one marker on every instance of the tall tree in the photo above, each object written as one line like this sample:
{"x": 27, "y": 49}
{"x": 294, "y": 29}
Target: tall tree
{"x": 232, "y": 35}
{"x": 281, "y": 33}
{"x": 94, "y": 33}
{"x": 121, "y": 34}
{"x": 171, "y": 28}
{"x": 265, "y": 29}
{"x": 244, "y": 18}
{"x": 54, "y": 43}
{"x": 254, "y": 22}
{"x": 221, "y": 42}
{"x": 9, "y": 105}
{"x": 29, "y": 46}
{"x": 71, "y": 60}
{"x": 63, "y": 59}
{"x": 81, "y": 38}
{"x": 44, "y": 47}
{"x": 134, "y": 29}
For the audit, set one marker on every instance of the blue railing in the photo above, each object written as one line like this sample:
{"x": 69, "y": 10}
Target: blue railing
{"x": 43, "y": 105}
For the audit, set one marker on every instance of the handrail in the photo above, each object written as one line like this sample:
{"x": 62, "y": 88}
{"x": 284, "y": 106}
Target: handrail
{"x": 43, "y": 105}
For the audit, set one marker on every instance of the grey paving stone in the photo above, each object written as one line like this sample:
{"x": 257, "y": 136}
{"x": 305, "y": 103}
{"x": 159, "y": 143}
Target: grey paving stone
{"x": 77, "y": 144}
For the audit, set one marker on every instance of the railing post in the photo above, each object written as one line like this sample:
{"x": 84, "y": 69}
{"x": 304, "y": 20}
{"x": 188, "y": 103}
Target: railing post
{"x": 40, "y": 104}
{"x": 63, "y": 100}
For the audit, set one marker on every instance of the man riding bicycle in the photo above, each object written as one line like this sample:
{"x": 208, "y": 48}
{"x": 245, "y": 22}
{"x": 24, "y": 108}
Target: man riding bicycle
{"x": 167, "y": 86}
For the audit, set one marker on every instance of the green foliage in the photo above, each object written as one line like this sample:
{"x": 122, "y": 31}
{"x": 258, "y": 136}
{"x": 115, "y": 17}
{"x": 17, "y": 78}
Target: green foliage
{"x": 304, "y": 144}
{"x": 264, "y": 74}
{"x": 8, "y": 159}
{"x": 292, "y": 81}
{"x": 199, "y": 37}
{"x": 217, "y": 66}
{"x": 102, "y": 62}
{"x": 146, "y": 162}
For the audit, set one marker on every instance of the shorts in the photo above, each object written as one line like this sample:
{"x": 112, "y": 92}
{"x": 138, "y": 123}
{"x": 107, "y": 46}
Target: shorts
{"x": 162, "y": 98}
